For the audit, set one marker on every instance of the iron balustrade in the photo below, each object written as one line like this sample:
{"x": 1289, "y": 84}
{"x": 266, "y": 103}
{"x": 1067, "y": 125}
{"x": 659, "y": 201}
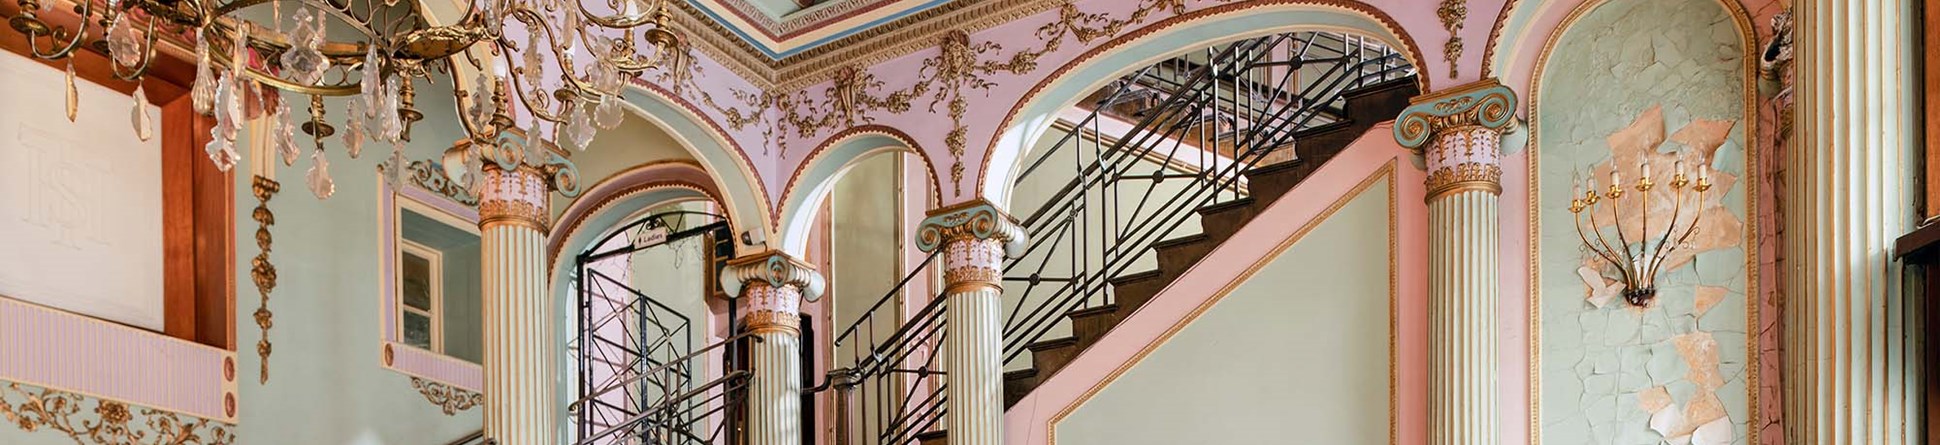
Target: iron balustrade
{"x": 635, "y": 356}
{"x": 1211, "y": 116}
{"x": 890, "y": 386}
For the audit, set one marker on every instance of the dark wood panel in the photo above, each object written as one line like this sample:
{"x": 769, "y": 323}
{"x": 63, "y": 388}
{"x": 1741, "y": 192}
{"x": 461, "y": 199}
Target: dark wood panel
{"x": 1930, "y": 29}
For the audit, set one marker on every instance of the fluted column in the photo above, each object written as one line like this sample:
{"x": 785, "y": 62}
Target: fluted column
{"x": 521, "y": 357}
{"x": 519, "y": 361}
{"x": 974, "y": 238}
{"x": 1853, "y": 351}
{"x": 1459, "y": 134}
{"x": 771, "y": 287}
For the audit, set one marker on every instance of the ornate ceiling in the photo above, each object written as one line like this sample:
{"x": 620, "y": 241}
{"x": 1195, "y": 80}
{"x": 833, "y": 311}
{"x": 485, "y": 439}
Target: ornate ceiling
{"x": 779, "y": 28}
{"x": 804, "y": 46}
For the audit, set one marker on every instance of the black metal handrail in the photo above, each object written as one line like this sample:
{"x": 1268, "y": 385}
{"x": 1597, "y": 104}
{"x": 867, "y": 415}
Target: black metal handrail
{"x": 892, "y": 382}
{"x": 635, "y": 353}
{"x": 1249, "y": 86}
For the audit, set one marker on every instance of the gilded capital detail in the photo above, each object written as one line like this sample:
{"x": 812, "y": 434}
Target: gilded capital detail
{"x": 771, "y": 287}
{"x": 1459, "y": 135}
{"x": 515, "y": 196}
{"x": 974, "y": 238}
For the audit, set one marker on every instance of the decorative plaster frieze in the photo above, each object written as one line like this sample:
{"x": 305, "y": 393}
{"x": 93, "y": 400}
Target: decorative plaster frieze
{"x": 108, "y": 422}
{"x": 447, "y": 398}
{"x": 771, "y": 287}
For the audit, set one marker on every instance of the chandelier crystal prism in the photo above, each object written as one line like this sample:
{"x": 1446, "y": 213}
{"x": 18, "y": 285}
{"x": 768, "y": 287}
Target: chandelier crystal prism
{"x": 538, "y": 63}
{"x": 1638, "y": 261}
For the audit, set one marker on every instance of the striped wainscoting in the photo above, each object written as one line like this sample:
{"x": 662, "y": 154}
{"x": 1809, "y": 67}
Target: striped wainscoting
{"x": 433, "y": 366}
{"x": 56, "y": 349}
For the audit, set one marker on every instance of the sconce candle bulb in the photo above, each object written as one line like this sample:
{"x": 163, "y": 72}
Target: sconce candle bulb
{"x": 1638, "y": 261}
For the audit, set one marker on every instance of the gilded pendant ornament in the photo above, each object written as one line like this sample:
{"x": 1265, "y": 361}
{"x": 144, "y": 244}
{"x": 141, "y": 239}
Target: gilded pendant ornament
{"x": 113, "y": 423}
{"x": 1452, "y": 13}
{"x": 447, "y": 398}
{"x": 261, "y": 271}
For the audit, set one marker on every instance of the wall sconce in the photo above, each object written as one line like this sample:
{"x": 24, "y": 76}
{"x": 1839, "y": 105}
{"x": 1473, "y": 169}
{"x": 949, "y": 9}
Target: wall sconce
{"x": 1638, "y": 260}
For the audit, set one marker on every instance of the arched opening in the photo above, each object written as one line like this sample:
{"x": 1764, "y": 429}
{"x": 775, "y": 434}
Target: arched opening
{"x": 647, "y": 310}
{"x": 1135, "y": 181}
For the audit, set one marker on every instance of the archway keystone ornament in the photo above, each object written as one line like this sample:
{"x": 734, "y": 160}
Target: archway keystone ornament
{"x": 1459, "y": 133}
{"x": 770, "y": 287}
{"x": 974, "y": 238}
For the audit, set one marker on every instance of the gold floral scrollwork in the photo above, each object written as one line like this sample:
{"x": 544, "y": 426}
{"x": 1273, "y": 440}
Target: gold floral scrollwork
{"x": 1452, "y": 13}
{"x": 1463, "y": 177}
{"x": 431, "y": 176}
{"x": 448, "y": 398}
{"x": 261, "y": 271}
{"x": 114, "y": 423}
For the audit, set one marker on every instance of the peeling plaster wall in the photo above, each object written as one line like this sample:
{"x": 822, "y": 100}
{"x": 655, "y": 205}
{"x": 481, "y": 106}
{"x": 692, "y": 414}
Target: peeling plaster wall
{"x": 1635, "y": 80}
{"x": 1315, "y": 367}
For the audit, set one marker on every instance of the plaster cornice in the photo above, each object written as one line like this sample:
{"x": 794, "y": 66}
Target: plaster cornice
{"x": 880, "y": 43}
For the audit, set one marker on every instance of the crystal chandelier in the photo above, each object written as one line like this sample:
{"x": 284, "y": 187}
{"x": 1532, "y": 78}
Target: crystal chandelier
{"x": 1638, "y": 261}
{"x": 563, "y": 65}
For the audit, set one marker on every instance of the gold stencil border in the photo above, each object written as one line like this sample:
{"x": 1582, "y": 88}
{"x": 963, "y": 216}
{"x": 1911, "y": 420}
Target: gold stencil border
{"x": 1387, "y": 173}
{"x": 1753, "y": 282}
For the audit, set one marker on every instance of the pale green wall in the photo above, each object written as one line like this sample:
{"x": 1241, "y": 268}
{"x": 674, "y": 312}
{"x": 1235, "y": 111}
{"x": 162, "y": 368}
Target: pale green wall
{"x": 1613, "y": 64}
{"x": 1313, "y": 365}
{"x": 326, "y": 385}
{"x": 864, "y": 239}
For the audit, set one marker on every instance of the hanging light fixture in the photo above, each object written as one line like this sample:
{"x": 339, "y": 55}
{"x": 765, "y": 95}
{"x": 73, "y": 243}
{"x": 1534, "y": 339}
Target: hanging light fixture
{"x": 1638, "y": 261}
{"x": 566, "y": 73}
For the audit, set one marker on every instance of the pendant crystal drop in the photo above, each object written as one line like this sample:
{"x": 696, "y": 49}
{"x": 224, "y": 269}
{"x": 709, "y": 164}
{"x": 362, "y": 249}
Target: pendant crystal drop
{"x": 221, "y": 151}
{"x": 283, "y": 132}
{"x": 319, "y": 178}
{"x": 73, "y": 95}
{"x": 204, "y": 91}
{"x": 304, "y": 62}
{"x": 534, "y": 149}
{"x": 581, "y": 128}
{"x": 124, "y": 45}
{"x": 390, "y": 126}
{"x": 534, "y": 68}
{"x": 228, "y": 110}
{"x": 474, "y": 176}
{"x": 354, "y": 132}
{"x": 394, "y": 166}
{"x": 239, "y": 50}
{"x": 482, "y": 108}
{"x": 608, "y": 114}
{"x": 144, "y": 128}
{"x": 371, "y": 87}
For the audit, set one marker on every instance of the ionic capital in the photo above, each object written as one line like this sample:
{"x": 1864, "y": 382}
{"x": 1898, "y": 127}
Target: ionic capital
{"x": 511, "y": 179}
{"x": 771, "y": 286}
{"x": 974, "y": 238}
{"x": 1485, "y": 104}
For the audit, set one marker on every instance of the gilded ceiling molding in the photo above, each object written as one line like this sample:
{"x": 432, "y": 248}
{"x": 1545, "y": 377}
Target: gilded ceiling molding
{"x": 909, "y": 34}
{"x": 1452, "y": 13}
{"x": 113, "y": 423}
{"x": 261, "y": 271}
{"x": 447, "y": 398}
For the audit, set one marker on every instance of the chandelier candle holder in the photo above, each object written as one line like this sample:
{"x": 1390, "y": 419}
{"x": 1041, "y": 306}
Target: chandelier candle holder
{"x": 1639, "y": 261}
{"x": 563, "y": 64}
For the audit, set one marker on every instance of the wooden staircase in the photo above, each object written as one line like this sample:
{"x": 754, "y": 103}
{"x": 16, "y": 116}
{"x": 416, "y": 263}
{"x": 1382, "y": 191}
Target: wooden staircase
{"x": 1315, "y": 146}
